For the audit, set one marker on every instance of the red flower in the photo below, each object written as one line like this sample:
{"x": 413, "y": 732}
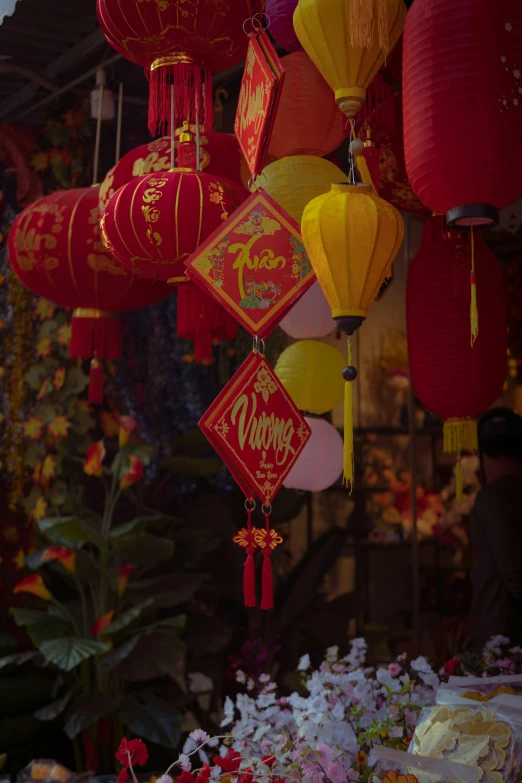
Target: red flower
{"x": 102, "y": 623}
{"x": 247, "y": 776}
{"x": 124, "y": 572}
{"x": 123, "y": 776}
{"x": 134, "y": 473}
{"x": 132, "y": 752}
{"x": 185, "y": 777}
{"x": 204, "y": 774}
{"x": 230, "y": 762}
{"x": 269, "y": 760}
{"x": 64, "y": 555}
{"x": 451, "y": 666}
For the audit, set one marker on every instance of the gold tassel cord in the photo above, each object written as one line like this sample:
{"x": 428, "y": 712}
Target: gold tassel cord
{"x": 460, "y": 435}
{"x": 474, "y": 316}
{"x": 361, "y": 23}
{"x": 348, "y": 428}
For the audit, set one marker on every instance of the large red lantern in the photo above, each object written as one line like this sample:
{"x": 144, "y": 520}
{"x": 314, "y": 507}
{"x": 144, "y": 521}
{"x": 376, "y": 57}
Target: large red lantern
{"x": 153, "y": 224}
{"x": 451, "y": 377}
{"x": 55, "y": 249}
{"x": 462, "y": 98}
{"x": 219, "y": 155}
{"x": 180, "y": 44}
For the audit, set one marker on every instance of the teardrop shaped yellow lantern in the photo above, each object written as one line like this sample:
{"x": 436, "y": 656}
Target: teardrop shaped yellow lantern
{"x": 352, "y": 238}
{"x": 348, "y": 40}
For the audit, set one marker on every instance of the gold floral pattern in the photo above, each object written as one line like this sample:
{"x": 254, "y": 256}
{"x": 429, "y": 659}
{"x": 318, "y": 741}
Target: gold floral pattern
{"x": 151, "y": 213}
{"x": 265, "y": 384}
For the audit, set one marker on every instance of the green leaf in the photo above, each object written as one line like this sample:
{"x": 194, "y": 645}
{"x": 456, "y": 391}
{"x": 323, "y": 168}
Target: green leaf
{"x": 35, "y": 376}
{"x": 87, "y": 710}
{"x": 192, "y": 467}
{"x": 76, "y": 382}
{"x": 57, "y": 494}
{"x": 138, "y": 525}
{"x": 34, "y": 454}
{"x": 47, "y": 329}
{"x": 160, "y": 652}
{"x": 53, "y": 710}
{"x": 47, "y": 412}
{"x": 123, "y": 620}
{"x": 144, "y": 549}
{"x": 249, "y": 303}
{"x": 152, "y": 718}
{"x": 27, "y": 616}
{"x": 178, "y": 624}
{"x": 70, "y": 531}
{"x": 68, "y": 653}
{"x": 51, "y": 628}
{"x": 109, "y": 662}
{"x": 144, "y": 452}
{"x": 168, "y": 590}
{"x": 18, "y": 659}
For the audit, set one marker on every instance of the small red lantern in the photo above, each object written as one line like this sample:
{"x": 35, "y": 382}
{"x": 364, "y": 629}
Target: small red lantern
{"x": 219, "y": 155}
{"x": 451, "y": 377}
{"x": 153, "y": 224}
{"x": 55, "y": 249}
{"x": 463, "y": 106}
{"x": 180, "y": 45}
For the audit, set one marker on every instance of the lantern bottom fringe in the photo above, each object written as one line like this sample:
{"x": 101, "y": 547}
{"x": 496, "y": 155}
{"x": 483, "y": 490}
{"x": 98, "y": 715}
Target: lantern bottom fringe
{"x": 460, "y": 435}
{"x": 96, "y": 383}
{"x": 267, "y": 596}
{"x": 98, "y": 336}
{"x": 201, "y": 319}
{"x": 192, "y": 90}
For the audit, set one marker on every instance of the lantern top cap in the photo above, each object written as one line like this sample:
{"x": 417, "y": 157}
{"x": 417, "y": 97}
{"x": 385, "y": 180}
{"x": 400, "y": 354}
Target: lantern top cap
{"x": 345, "y": 187}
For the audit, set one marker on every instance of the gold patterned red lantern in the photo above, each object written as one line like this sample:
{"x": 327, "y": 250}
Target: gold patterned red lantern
{"x": 180, "y": 44}
{"x": 153, "y": 224}
{"x": 219, "y": 155}
{"x": 55, "y": 249}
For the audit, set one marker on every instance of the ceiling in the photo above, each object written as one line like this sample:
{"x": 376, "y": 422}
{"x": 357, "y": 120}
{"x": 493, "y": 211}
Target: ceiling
{"x": 50, "y": 48}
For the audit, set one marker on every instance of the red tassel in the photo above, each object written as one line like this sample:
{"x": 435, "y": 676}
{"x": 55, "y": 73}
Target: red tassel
{"x": 192, "y": 93}
{"x": 249, "y": 578}
{"x": 267, "y": 597}
{"x": 201, "y": 319}
{"x": 96, "y": 383}
{"x": 95, "y": 333}
{"x": 379, "y": 110}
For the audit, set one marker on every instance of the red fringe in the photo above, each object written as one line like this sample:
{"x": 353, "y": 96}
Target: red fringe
{"x": 95, "y": 337}
{"x": 249, "y": 578}
{"x": 192, "y": 97}
{"x": 96, "y": 383}
{"x": 267, "y": 597}
{"x": 203, "y": 320}
{"x": 379, "y": 109}
{"x": 372, "y": 156}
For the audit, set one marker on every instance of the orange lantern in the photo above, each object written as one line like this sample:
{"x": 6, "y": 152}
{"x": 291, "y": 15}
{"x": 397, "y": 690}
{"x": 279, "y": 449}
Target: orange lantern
{"x": 55, "y": 249}
{"x": 153, "y": 224}
{"x": 180, "y": 45}
{"x": 308, "y": 121}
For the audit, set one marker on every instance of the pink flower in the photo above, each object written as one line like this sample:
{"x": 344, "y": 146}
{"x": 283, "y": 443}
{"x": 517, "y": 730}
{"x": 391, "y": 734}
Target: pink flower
{"x": 335, "y": 773}
{"x": 394, "y": 669}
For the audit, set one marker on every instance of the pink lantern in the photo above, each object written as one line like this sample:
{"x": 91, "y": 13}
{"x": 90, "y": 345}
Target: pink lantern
{"x": 310, "y": 317}
{"x": 281, "y": 16}
{"x": 321, "y": 461}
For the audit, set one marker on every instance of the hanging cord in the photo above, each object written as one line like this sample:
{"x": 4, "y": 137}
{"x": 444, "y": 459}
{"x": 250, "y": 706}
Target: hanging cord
{"x": 267, "y": 596}
{"x": 172, "y": 127}
{"x": 351, "y": 156}
{"x": 119, "y": 123}
{"x": 98, "y": 137}
{"x": 349, "y": 374}
{"x": 474, "y": 316}
{"x": 249, "y": 573}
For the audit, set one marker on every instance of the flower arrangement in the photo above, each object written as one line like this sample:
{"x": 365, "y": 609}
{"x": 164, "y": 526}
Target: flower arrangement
{"x": 498, "y": 657}
{"x": 326, "y": 736}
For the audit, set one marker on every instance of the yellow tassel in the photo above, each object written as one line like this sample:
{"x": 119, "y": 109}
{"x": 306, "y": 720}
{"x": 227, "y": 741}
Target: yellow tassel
{"x": 460, "y": 435}
{"x": 361, "y": 23}
{"x": 383, "y": 25}
{"x": 459, "y": 481}
{"x": 474, "y": 316}
{"x": 364, "y": 171}
{"x": 348, "y": 428}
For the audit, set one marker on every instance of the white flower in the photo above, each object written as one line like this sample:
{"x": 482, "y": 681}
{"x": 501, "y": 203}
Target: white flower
{"x": 200, "y": 683}
{"x": 502, "y": 59}
{"x": 304, "y": 663}
{"x": 396, "y": 732}
{"x": 199, "y": 736}
{"x": 164, "y": 779}
{"x": 508, "y": 26}
{"x": 420, "y": 664}
{"x": 184, "y": 762}
{"x": 228, "y": 712}
{"x": 516, "y": 74}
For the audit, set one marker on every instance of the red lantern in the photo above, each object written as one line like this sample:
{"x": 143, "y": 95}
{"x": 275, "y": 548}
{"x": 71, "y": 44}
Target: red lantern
{"x": 153, "y": 224}
{"x": 281, "y": 17}
{"x": 180, "y": 45}
{"x": 219, "y": 155}
{"x": 55, "y": 249}
{"x": 452, "y": 378}
{"x": 463, "y": 106}
{"x": 308, "y": 120}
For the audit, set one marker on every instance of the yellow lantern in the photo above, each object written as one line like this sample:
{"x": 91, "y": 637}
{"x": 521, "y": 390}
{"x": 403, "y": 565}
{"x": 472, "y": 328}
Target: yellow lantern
{"x": 311, "y": 372}
{"x": 347, "y": 40}
{"x": 352, "y": 237}
{"x": 296, "y": 180}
